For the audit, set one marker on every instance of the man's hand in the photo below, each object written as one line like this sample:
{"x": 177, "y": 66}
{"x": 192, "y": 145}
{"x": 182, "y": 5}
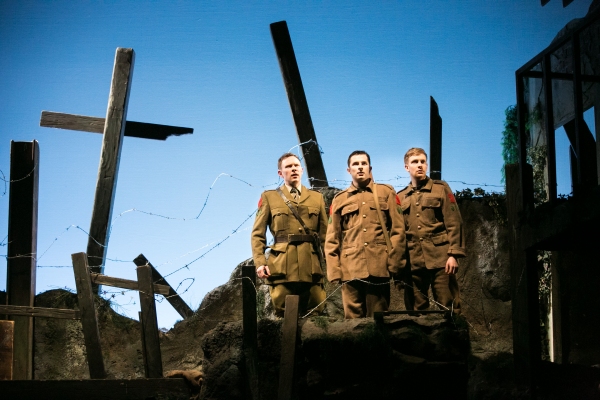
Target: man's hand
{"x": 451, "y": 265}
{"x": 263, "y": 272}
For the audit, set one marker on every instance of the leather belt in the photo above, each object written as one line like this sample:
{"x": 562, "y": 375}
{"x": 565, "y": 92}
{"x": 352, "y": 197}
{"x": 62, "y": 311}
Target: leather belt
{"x": 290, "y": 238}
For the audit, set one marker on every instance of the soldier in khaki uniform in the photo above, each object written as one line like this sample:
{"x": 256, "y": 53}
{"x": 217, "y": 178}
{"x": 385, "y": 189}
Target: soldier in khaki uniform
{"x": 356, "y": 249}
{"x": 434, "y": 235}
{"x": 293, "y": 266}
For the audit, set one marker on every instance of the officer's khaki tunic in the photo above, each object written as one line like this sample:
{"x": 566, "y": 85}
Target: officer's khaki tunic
{"x": 294, "y": 266}
{"x": 355, "y": 247}
{"x": 434, "y": 232}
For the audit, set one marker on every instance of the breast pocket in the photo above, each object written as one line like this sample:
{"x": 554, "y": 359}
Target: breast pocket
{"x": 280, "y": 218}
{"x": 313, "y": 217}
{"x": 384, "y": 210}
{"x": 432, "y": 208}
{"x": 349, "y": 215}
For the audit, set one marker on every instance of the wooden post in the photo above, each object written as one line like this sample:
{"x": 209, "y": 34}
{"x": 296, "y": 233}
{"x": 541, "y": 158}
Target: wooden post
{"x": 89, "y": 318}
{"x": 250, "y": 340}
{"x": 298, "y": 103}
{"x": 22, "y": 248}
{"x": 435, "y": 140}
{"x": 550, "y": 133}
{"x": 150, "y": 323}
{"x": 524, "y": 279}
{"x": 288, "y": 348}
{"x": 109, "y": 158}
{"x": 143, "y": 341}
{"x": 7, "y": 335}
{"x": 172, "y": 297}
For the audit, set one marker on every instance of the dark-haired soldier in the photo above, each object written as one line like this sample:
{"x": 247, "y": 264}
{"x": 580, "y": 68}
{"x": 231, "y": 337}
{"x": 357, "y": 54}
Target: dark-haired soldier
{"x": 434, "y": 235}
{"x": 293, "y": 266}
{"x": 358, "y": 253}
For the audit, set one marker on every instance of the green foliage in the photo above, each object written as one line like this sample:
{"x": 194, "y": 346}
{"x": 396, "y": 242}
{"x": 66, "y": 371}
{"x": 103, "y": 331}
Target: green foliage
{"x": 510, "y": 138}
{"x": 536, "y": 156}
{"x": 321, "y": 321}
{"x": 497, "y": 201}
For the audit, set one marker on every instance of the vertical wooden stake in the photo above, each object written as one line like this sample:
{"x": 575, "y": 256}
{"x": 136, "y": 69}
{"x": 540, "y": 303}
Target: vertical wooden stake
{"x": 22, "y": 248}
{"x": 112, "y": 140}
{"x": 143, "y": 340}
{"x": 288, "y": 348}
{"x": 7, "y": 335}
{"x": 250, "y": 340}
{"x": 89, "y": 318}
{"x": 435, "y": 140}
{"x": 150, "y": 323}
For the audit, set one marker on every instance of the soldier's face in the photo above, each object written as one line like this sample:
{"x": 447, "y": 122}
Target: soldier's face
{"x": 359, "y": 169}
{"x": 291, "y": 171}
{"x": 417, "y": 167}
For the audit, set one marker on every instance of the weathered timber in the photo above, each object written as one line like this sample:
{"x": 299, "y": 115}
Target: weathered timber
{"x": 84, "y": 123}
{"x": 100, "y": 279}
{"x": 149, "y": 322}
{"x": 288, "y": 348}
{"x": 250, "y": 338}
{"x": 22, "y": 248}
{"x": 89, "y": 318}
{"x": 298, "y": 104}
{"x": 524, "y": 278}
{"x": 42, "y": 312}
{"x": 143, "y": 341}
{"x": 112, "y": 141}
{"x": 435, "y": 140}
{"x": 7, "y": 335}
{"x": 93, "y": 389}
{"x": 172, "y": 297}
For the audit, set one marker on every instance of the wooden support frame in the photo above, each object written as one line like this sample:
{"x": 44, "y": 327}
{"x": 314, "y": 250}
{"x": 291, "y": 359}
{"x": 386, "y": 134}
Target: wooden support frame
{"x": 249, "y": 322}
{"x": 550, "y": 132}
{"x": 298, "y": 103}
{"x": 172, "y": 296}
{"x": 149, "y": 322}
{"x": 100, "y": 279}
{"x": 89, "y": 318}
{"x": 288, "y": 348}
{"x": 435, "y": 140}
{"x": 41, "y": 312}
{"x": 22, "y": 248}
{"x": 7, "y": 336}
{"x": 110, "y": 155}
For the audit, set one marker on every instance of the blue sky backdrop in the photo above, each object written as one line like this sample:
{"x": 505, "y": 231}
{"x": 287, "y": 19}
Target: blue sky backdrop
{"x": 368, "y": 70}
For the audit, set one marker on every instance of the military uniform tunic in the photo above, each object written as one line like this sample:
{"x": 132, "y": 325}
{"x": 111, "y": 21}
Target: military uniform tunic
{"x": 289, "y": 261}
{"x": 434, "y": 232}
{"x": 356, "y": 248}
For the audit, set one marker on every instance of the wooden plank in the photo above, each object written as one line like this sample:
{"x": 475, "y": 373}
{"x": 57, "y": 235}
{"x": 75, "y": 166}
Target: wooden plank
{"x": 100, "y": 279}
{"x": 288, "y": 348}
{"x": 109, "y": 158}
{"x": 250, "y": 338}
{"x": 524, "y": 279}
{"x": 22, "y": 248}
{"x": 143, "y": 341}
{"x": 74, "y": 122}
{"x": 172, "y": 297}
{"x": 435, "y": 140}
{"x": 549, "y": 125}
{"x": 89, "y": 318}
{"x": 94, "y": 389}
{"x": 150, "y": 323}
{"x": 7, "y": 335}
{"x": 42, "y": 312}
{"x": 298, "y": 103}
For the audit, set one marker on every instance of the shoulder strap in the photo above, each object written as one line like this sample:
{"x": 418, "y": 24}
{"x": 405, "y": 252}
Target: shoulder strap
{"x": 380, "y": 216}
{"x": 293, "y": 210}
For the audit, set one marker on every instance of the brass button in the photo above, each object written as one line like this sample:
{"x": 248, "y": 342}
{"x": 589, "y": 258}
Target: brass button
{"x": 364, "y": 202}
{"x": 418, "y": 214}
{"x": 364, "y": 229}
{"x": 366, "y": 243}
{"x": 299, "y": 229}
{"x": 364, "y": 216}
{"x": 419, "y": 227}
{"x": 417, "y": 203}
{"x": 421, "y": 239}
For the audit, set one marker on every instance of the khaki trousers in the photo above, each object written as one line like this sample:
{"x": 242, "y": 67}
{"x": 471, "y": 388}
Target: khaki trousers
{"x": 363, "y": 298}
{"x": 444, "y": 288}
{"x": 311, "y": 295}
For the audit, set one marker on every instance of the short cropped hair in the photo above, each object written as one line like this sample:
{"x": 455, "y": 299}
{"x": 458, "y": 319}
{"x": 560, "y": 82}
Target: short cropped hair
{"x": 358, "y": 153}
{"x": 414, "y": 152}
{"x": 283, "y": 157}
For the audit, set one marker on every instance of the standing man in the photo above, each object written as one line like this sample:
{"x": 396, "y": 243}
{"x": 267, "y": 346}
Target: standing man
{"x": 434, "y": 235}
{"x": 297, "y": 220}
{"x": 365, "y": 240}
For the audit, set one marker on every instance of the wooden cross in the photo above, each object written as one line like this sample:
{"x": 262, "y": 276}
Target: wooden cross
{"x": 113, "y": 127}
{"x": 298, "y": 104}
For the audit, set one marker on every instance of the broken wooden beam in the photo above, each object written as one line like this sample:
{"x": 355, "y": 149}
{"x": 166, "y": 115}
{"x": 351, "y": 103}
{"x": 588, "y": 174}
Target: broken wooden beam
{"x": 100, "y": 279}
{"x": 298, "y": 104}
{"x": 21, "y": 257}
{"x": 149, "y": 322}
{"x": 42, "y": 312}
{"x": 89, "y": 318}
{"x": 172, "y": 296}
{"x": 84, "y": 123}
